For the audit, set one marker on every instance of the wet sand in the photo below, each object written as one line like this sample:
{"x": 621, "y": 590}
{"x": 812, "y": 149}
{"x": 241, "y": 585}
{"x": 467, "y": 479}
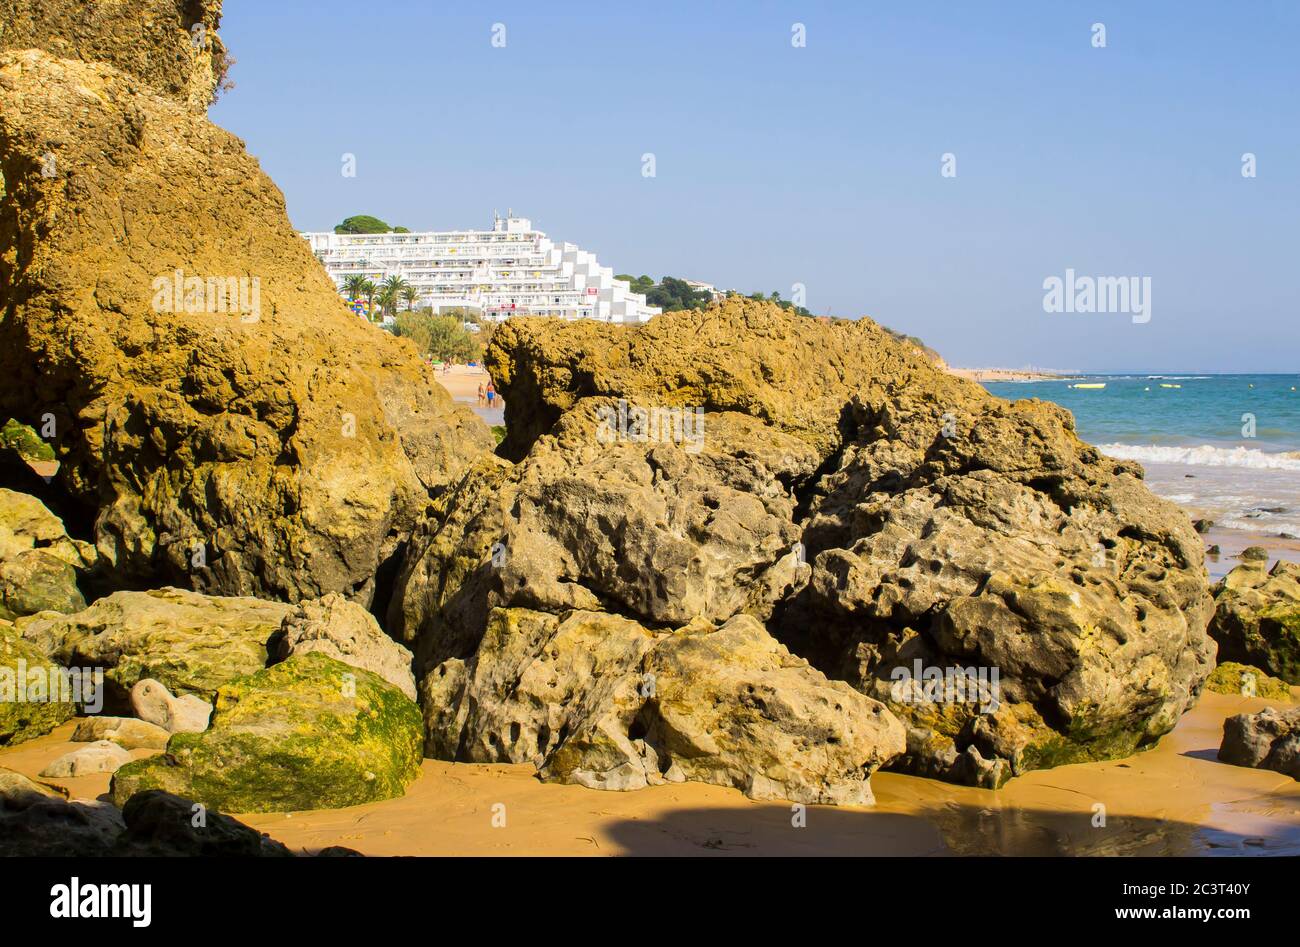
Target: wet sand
{"x": 1174, "y": 799}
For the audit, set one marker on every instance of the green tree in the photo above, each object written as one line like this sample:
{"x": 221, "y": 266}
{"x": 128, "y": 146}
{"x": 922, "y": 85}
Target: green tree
{"x": 390, "y": 291}
{"x": 443, "y": 338}
{"x": 639, "y": 284}
{"x": 363, "y": 223}
{"x": 355, "y": 286}
{"x": 674, "y": 294}
{"x": 410, "y": 295}
{"x": 368, "y": 291}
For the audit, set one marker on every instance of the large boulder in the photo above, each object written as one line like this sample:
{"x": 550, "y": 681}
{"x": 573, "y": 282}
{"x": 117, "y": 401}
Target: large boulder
{"x": 40, "y": 564}
{"x": 1257, "y": 617}
{"x": 161, "y": 824}
{"x": 238, "y": 430}
{"x": 661, "y": 532}
{"x": 595, "y": 699}
{"x": 35, "y": 693}
{"x": 172, "y": 46}
{"x": 344, "y": 630}
{"x": 191, "y": 643}
{"x": 309, "y": 733}
{"x": 882, "y": 519}
{"x": 1269, "y": 739}
{"x": 38, "y": 821}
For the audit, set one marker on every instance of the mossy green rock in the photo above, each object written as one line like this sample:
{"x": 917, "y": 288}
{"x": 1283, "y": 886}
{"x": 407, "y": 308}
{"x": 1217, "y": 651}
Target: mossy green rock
{"x": 1242, "y": 680}
{"x": 309, "y": 733}
{"x": 38, "y": 711}
{"x": 1257, "y": 618}
{"x": 192, "y": 643}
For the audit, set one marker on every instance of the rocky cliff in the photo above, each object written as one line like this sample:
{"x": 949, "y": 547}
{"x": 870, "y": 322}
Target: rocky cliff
{"x": 230, "y": 424}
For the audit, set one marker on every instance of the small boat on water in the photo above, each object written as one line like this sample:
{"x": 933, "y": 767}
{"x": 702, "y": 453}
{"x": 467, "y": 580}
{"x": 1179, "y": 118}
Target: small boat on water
{"x": 1164, "y": 385}
{"x": 1091, "y": 384}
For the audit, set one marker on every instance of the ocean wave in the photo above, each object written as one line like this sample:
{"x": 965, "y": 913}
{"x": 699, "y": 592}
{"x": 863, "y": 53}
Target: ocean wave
{"x": 1203, "y": 456}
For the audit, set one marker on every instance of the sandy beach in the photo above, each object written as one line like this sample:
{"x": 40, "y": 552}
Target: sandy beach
{"x": 1006, "y": 374}
{"x": 1173, "y": 799}
{"x": 462, "y": 383}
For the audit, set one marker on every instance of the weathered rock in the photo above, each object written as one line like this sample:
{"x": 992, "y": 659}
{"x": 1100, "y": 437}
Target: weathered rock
{"x": 1257, "y": 618}
{"x": 733, "y": 707}
{"x": 344, "y": 630}
{"x": 1254, "y": 554}
{"x": 308, "y": 733}
{"x": 191, "y": 643}
{"x": 1269, "y": 739}
{"x": 37, "y": 820}
{"x": 1241, "y": 680}
{"x": 662, "y": 532}
{"x": 127, "y": 732}
{"x": 598, "y": 700}
{"x": 247, "y": 435}
{"x": 154, "y": 704}
{"x": 102, "y": 756}
{"x": 35, "y": 693}
{"x": 40, "y": 565}
{"x": 161, "y": 824}
{"x": 939, "y": 524}
{"x": 174, "y": 47}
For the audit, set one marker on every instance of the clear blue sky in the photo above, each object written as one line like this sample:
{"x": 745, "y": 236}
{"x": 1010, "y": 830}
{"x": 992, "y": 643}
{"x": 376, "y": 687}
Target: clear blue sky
{"x": 778, "y": 165}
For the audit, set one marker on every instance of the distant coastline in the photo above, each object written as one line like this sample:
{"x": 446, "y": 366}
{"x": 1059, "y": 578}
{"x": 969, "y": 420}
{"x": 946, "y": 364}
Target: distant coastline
{"x": 1010, "y": 374}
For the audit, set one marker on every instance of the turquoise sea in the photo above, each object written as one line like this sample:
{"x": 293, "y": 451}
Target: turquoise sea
{"x": 1225, "y": 446}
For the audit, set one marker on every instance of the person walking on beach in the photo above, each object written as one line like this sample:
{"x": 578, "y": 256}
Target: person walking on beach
{"x": 481, "y": 401}
{"x": 491, "y": 394}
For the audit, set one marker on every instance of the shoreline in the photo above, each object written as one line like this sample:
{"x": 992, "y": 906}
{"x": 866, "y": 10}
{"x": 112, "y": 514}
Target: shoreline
{"x": 983, "y": 375}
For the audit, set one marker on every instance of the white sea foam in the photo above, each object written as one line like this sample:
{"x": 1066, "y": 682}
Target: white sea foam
{"x": 1203, "y": 455}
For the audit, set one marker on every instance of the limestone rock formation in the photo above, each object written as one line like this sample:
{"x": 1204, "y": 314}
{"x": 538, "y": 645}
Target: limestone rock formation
{"x": 1257, "y": 617}
{"x": 156, "y": 705}
{"x": 172, "y": 46}
{"x": 191, "y": 643}
{"x": 40, "y": 565}
{"x": 344, "y": 630}
{"x": 162, "y": 824}
{"x": 656, "y": 531}
{"x": 1269, "y": 739}
{"x": 595, "y": 699}
{"x": 1242, "y": 680}
{"x": 102, "y": 756}
{"x": 34, "y": 691}
{"x": 127, "y": 732}
{"x": 880, "y": 517}
{"x": 308, "y": 733}
{"x": 235, "y": 427}
{"x": 37, "y": 820}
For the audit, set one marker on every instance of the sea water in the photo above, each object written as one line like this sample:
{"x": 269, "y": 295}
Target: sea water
{"x": 1223, "y": 446}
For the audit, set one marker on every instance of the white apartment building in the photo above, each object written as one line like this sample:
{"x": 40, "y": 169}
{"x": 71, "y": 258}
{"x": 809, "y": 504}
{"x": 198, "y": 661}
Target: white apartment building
{"x": 511, "y": 269}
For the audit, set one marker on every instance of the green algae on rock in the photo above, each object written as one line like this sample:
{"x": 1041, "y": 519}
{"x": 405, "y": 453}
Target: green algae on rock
{"x": 309, "y": 733}
{"x": 1246, "y": 681}
{"x": 192, "y": 643}
{"x": 40, "y": 565}
{"x": 1257, "y": 618}
{"x": 32, "y": 691}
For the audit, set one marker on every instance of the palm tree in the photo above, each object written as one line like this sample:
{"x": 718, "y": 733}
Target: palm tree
{"x": 354, "y": 286}
{"x": 368, "y": 290}
{"x": 387, "y": 297}
{"x": 410, "y": 294}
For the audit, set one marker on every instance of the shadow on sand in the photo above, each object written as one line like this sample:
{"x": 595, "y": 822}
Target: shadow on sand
{"x": 950, "y": 829}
